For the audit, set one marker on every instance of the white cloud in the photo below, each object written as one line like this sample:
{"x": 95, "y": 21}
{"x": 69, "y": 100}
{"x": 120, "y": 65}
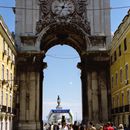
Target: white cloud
{"x": 112, "y": 34}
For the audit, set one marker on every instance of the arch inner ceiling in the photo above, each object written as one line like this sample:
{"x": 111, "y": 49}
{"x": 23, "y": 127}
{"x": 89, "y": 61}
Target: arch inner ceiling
{"x": 64, "y": 34}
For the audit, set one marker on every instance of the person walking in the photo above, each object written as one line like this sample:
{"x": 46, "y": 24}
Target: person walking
{"x": 75, "y": 126}
{"x": 109, "y": 127}
{"x": 120, "y": 127}
{"x": 91, "y": 126}
{"x": 64, "y": 126}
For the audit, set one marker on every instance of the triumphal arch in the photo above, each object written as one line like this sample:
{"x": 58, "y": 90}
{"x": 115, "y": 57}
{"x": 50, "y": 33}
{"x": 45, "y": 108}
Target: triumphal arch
{"x": 81, "y": 24}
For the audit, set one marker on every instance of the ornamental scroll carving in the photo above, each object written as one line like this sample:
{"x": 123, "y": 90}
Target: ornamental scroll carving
{"x": 81, "y": 6}
{"x": 78, "y": 17}
{"x": 44, "y": 7}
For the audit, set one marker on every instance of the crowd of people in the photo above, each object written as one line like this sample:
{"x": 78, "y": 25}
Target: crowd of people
{"x": 81, "y": 126}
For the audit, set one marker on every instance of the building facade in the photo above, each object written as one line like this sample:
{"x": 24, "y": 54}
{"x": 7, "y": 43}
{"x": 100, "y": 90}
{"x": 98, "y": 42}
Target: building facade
{"x": 81, "y": 24}
{"x": 120, "y": 72}
{"x": 7, "y": 70}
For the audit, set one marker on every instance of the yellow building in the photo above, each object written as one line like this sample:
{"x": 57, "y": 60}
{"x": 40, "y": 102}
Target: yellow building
{"x": 7, "y": 69}
{"x": 120, "y": 72}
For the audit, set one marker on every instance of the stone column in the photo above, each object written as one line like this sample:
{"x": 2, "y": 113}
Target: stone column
{"x": 103, "y": 103}
{"x": 30, "y": 92}
{"x": 95, "y": 103}
{"x": 85, "y": 113}
{"x": 97, "y": 91}
{"x": 90, "y": 95}
{"x": 22, "y": 95}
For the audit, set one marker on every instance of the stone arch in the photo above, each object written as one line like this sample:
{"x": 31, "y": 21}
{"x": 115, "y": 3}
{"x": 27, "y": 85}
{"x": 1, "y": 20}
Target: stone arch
{"x": 74, "y": 36}
{"x": 64, "y": 33}
{"x": 32, "y": 76}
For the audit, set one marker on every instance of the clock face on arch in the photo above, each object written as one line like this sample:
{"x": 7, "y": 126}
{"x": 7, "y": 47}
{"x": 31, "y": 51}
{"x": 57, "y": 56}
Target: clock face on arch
{"x": 62, "y": 8}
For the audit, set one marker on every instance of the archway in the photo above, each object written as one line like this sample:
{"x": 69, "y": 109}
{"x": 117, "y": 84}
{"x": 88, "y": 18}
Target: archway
{"x": 94, "y": 75}
{"x": 65, "y": 80}
{"x": 69, "y": 34}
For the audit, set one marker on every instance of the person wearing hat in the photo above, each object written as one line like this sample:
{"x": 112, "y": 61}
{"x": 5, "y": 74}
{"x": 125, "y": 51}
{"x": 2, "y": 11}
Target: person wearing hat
{"x": 121, "y": 127}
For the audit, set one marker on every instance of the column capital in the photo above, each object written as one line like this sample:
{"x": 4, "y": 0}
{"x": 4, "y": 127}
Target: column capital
{"x": 31, "y": 61}
{"x": 82, "y": 65}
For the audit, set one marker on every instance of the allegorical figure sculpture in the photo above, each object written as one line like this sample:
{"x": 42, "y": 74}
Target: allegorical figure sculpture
{"x": 58, "y": 101}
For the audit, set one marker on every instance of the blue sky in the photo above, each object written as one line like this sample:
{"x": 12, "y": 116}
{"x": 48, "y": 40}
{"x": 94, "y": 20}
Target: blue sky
{"x": 62, "y": 77}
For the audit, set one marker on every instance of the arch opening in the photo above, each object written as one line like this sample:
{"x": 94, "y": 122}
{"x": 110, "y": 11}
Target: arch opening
{"x": 65, "y": 81}
{"x": 68, "y": 34}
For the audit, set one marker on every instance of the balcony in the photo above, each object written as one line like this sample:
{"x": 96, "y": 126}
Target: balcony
{"x": 4, "y": 82}
{"x": 9, "y": 110}
{"x": 3, "y": 109}
{"x": 5, "y": 52}
{"x": 121, "y": 109}
{"x": 127, "y": 108}
{"x": 126, "y": 82}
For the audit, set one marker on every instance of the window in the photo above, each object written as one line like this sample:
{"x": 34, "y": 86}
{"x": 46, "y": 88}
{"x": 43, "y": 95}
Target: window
{"x": 116, "y": 78}
{"x": 11, "y": 78}
{"x": 11, "y": 102}
{"x": 122, "y": 99}
{"x": 3, "y": 45}
{"x": 119, "y": 50}
{"x": 121, "y": 76}
{"x": 112, "y": 81}
{"x": 7, "y": 74}
{"x": 125, "y": 44}
{"x": 14, "y": 58}
{"x": 115, "y": 57}
{"x": 11, "y": 55}
{"x": 126, "y": 71}
{"x": 8, "y": 51}
{"x": 7, "y": 99}
{"x": 128, "y": 97}
{"x": 1, "y": 97}
{"x": 2, "y": 72}
{"x": 118, "y": 101}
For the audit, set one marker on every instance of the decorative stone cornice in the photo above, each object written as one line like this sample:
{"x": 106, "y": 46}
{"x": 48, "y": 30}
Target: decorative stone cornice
{"x": 123, "y": 26}
{"x": 29, "y": 40}
{"x": 31, "y": 61}
{"x": 96, "y": 42}
{"x": 30, "y": 57}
